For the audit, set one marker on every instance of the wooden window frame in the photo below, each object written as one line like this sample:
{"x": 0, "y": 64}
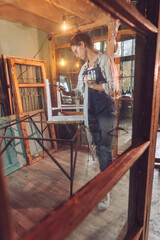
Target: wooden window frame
{"x": 10, "y": 61}
{"x": 13, "y": 87}
{"x": 139, "y": 159}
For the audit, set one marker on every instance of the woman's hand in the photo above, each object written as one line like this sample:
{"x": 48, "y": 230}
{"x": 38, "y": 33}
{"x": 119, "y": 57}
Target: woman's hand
{"x": 61, "y": 89}
{"x": 94, "y": 86}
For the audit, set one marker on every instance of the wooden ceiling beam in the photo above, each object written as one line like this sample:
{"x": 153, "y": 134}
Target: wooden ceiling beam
{"x": 86, "y": 27}
{"x": 84, "y": 9}
{"x": 51, "y": 11}
{"x": 13, "y": 14}
{"x": 39, "y": 8}
{"x": 131, "y": 16}
{"x": 47, "y": 15}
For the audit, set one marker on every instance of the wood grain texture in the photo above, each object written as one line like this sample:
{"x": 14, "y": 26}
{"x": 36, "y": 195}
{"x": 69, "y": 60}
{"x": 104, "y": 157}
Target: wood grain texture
{"x": 72, "y": 212}
{"x": 38, "y": 189}
{"x": 131, "y": 16}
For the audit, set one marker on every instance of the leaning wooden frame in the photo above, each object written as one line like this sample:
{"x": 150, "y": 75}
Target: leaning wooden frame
{"x": 140, "y": 158}
{"x": 32, "y": 76}
{"x": 12, "y": 78}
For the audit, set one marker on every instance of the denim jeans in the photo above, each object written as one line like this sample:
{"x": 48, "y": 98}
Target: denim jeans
{"x": 102, "y": 128}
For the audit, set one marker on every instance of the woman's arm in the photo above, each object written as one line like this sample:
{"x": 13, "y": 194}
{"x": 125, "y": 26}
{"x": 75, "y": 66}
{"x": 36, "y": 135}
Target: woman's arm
{"x": 63, "y": 91}
{"x": 94, "y": 86}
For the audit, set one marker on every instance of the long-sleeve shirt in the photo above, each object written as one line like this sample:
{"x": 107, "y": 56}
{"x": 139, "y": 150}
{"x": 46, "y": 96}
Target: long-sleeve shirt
{"x": 107, "y": 66}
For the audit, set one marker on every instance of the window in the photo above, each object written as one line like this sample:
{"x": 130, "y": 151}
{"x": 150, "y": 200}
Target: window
{"x": 29, "y": 78}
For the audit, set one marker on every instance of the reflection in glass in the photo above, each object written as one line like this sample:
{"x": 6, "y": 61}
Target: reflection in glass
{"x": 125, "y": 59}
{"x": 100, "y": 46}
{"x": 110, "y": 224}
{"x": 42, "y": 187}
{"x": 124, "y": 56}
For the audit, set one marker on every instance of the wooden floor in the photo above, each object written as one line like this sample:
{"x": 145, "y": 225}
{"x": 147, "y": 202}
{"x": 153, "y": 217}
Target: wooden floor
{"x": 37, "y": 189}
{"x": 110, "y": 224}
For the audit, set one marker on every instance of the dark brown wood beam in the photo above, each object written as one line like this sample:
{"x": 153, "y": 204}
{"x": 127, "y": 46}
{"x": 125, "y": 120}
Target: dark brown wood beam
{"x": 145, "y": 124}
{"x": 131, "y": 16}
{"x": 155, "y": 17}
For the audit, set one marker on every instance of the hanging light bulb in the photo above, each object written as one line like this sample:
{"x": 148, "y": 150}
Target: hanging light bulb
{"x": 62, "y": 61}
{"x": 77, "y": 64}
{"x": 64, "y": 26}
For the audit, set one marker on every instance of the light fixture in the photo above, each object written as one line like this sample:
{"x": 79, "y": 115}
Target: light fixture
{"x": 64, "y": 26}
{"x": 62, "y": 61}
{"x": 77, "y": 64}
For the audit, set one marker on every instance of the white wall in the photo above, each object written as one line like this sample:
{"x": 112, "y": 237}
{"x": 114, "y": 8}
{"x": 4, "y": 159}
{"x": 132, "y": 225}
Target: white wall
{"x": 23, "y": 41}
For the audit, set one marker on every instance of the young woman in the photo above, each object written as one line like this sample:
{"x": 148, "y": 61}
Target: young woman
{"x": 98, "y": 74}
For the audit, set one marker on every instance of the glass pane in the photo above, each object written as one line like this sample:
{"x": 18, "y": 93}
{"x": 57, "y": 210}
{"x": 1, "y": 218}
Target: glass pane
{"x": 66, "y": 62}
{"x": 32, "y": 98}
{"x": 37, "y": 189}
{"x": 124, "y": 57}
{"x": 110, "y": 224}
{"x": 100, "y": 46}
{"x": 28, "y": 74}
{"x": 125, "y": 60}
